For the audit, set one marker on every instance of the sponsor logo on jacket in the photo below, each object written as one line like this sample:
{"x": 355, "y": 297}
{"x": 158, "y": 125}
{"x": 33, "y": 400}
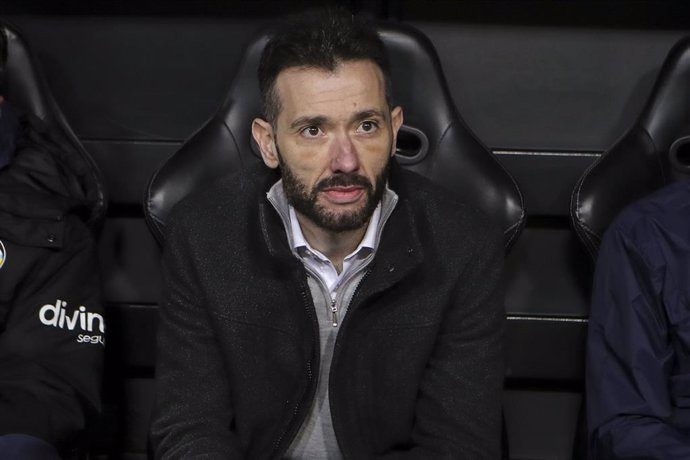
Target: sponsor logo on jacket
{"x": 3, "y": 254}
{"x": 91, "y": 325}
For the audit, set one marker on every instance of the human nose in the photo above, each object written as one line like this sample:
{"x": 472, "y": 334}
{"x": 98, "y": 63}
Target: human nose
{"x": 344, "y": 155}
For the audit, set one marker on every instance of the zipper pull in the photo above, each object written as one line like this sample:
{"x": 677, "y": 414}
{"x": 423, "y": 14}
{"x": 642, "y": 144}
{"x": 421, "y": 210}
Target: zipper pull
{"x": 334, "y": 313}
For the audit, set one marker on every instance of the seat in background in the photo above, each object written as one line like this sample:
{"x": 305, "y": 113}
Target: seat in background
{"x": 26, "y": 89}
{"x": 652, "y": 153}
{"x": 434, "y": 140}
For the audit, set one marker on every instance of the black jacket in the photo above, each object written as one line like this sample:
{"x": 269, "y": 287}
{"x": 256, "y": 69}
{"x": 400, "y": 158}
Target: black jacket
{"x": 417, "y": 368}
{"x": 51, "y": 342}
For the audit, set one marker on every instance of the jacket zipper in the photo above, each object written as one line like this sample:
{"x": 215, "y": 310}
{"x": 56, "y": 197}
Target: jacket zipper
{"x": 334, "y": 317}
{"x": 334, "y": 313}
{"x": 310, "y": 378}
{"x": 367, "y": 270}
{"x": 352, "y": 299}
{"x": 334, "y": 301}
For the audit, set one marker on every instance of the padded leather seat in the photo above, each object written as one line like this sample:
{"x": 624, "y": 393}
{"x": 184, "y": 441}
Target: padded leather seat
{"x": 27, "y": 91}
{"x": 653, "y": 152}
{"x": 434, "y": 140}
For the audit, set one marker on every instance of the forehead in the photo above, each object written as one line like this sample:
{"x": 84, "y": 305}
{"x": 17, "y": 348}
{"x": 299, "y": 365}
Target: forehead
{"x": 351, "y": 86}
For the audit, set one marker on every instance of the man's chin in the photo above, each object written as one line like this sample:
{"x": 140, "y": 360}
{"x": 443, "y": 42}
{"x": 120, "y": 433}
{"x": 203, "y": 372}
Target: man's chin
{"x": 342, "y": 220}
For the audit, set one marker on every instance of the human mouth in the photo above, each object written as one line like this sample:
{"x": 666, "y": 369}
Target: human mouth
{"x": 343, "y": 194}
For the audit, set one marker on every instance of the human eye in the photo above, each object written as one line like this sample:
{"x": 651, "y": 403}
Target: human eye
{"x": 367, "y": 126}
{"x": 311, "y": 131}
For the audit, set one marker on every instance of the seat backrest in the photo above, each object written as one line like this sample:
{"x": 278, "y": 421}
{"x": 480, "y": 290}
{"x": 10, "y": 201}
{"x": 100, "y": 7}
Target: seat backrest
{"x": 27, "y": 91}
{"x": 433, "y": 141}
{"x": 652, "y": 153}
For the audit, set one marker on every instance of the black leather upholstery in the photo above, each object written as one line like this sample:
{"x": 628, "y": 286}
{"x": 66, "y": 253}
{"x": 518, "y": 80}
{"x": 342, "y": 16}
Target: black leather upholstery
{"x": 27, "y": 91}
{"x": 652, "y": 153}
{"x": 434, "y": 141}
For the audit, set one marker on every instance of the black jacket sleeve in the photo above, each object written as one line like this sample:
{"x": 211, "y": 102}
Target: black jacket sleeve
{"x": 188, "y": 362}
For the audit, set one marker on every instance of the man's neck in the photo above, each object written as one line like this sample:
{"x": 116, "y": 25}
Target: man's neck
{"x": 335, "y": 246}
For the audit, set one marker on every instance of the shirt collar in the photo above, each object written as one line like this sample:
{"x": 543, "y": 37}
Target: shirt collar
{"x": 368, "y": 241}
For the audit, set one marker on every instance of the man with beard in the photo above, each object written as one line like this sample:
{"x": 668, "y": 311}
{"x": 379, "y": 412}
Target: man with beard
{"x": 331, "y": 305}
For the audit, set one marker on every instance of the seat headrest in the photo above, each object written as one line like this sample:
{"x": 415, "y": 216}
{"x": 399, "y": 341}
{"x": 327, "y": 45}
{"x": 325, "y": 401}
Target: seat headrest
{"x": 651, "y": 154}
{"x": 28, "y": 92}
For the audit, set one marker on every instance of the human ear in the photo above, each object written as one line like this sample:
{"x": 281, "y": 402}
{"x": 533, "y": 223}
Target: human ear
{"x": 262, "y": 131}
{"x": 396, "y": 123}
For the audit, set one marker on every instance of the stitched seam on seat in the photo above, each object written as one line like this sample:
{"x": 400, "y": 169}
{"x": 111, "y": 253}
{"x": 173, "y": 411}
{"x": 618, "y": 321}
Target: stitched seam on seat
{"x": 439, "y": 142}
{"x": 578, "y": 189}
{"x": 235, "y": 143}
{"x": 660, "y": 164}
{"x": 514, "y": 226}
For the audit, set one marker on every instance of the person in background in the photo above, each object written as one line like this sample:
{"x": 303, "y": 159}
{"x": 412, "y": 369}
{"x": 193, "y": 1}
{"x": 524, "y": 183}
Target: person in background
{"x": 638, "y": 350}
{"x": 328, "y": 304}
{"x": 52, "y": 331}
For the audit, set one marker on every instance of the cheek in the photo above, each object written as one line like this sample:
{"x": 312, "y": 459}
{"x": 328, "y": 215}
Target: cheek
{"x": 303, "y": 160}
{"x": 308, "y": 169}
{"x": 376, "y": 155}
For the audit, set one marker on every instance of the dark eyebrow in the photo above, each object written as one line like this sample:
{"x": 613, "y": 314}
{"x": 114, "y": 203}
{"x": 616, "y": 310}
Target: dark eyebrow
{"x": 320, "y": 120}
{"x": 317, "y": 120}
{"x": 372, "y": 113}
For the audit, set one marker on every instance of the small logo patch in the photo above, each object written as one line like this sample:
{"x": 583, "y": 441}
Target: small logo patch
{"x": 3, "y": 254}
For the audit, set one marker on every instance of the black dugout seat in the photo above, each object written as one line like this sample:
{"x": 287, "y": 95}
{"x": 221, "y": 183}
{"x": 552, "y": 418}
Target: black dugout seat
{"x": 652, "y": 153}
{"x": 25, "y": 88}
{"x": 434, "y": 140}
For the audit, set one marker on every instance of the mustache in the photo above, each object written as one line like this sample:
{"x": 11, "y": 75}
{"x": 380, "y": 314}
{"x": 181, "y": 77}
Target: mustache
{"x": 343, "y": 180}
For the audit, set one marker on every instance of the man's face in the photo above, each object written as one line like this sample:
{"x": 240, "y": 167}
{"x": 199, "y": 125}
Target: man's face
{"x": 333, "y": 140}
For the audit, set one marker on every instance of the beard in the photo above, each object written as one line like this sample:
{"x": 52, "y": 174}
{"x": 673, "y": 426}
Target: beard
{"x": 305, "y": 201}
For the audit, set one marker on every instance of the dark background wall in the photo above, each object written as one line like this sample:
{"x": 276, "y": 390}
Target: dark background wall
{"x": 547, "y": 85}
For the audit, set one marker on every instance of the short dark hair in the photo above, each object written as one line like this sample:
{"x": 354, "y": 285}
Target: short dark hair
{"x": 319, "y": 39}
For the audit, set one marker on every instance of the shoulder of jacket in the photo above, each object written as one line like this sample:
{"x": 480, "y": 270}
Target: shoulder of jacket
{"x": 440, "y": 205}
{"x": 664, "y": 211}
